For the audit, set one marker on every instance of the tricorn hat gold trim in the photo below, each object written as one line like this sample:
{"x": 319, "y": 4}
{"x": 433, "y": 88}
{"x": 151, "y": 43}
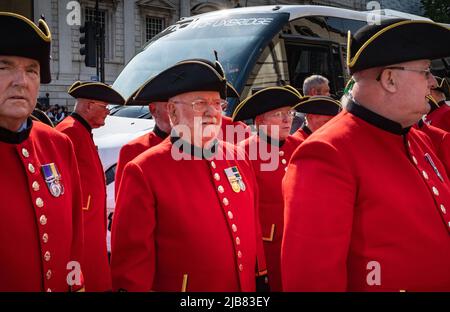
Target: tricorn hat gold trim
{"x": 400, "y": 44}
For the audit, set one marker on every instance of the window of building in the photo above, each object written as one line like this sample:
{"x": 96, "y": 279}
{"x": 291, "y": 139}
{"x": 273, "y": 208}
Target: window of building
{"x": 102, "y": 19}
{"x": 153, "y": 26}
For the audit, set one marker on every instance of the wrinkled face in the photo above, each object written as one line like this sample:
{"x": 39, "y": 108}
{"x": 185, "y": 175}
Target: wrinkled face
{"x": 316, "y": 121}
{"x": 97, "y": 112}
{"x": 322, "y": 89}
{"x": 277, "y": 122}
{"x": 413, "y": 85}
{"x": 196, "y": 116}
{"x": 19, "y": 88}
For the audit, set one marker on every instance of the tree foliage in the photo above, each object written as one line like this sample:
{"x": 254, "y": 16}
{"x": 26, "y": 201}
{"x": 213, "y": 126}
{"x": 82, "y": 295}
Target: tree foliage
{"x": 437, "y": 10}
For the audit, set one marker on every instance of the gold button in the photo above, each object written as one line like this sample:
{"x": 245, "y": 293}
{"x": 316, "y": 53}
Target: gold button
{"x": 414, "y": 160}
{"x": 283, "y": 161}
{"x": 230, "y": 215}
{"x": 45, "y": 238}
{"x": 241, "y": 267}
{"x": 234, "y": 228}
{"x": 35, "y": 186}
{"x": 239, "y": 254}
{"x": 425, "y": 175}
{"x": 43, "y": 220}
{"x": 31, "y": 168}
{"x": 444, "y": 211}
{"x": 25, "y": 153}
{"x": 47, "y": 256}
{"x": 435, "y": 191}
{"x": 238, "y": 241}
{"x": 285, "y": 169}
{"x": 281, "y": 153}
{"x": 49, "y": 274}
{"x": 213, "y": 164}
{"x": 49, "y": 290}
{"x": 225, "y": 201}
{"x": 39, "y": 202}
{"x": 216, "y": 176}
{"x": 220, "y": 189}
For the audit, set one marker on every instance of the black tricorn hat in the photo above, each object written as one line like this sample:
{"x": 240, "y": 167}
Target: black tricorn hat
{"x": 396, "y": 41}
{"x": 185, "y": 76}
{"x": 266, "y": 100}
{"x": 21, "y": 37}
{"x": 319, "y": 105}
{"x": 443, "y": 86}
{"x": 41, "y": 116}
{"x": 95, "y": 91}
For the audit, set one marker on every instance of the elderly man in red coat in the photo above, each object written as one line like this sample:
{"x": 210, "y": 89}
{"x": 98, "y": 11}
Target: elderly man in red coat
{"x": 90, "y": 113}
{"x": 366, "y": 195}
{"x": 144, "y": 142}
{"x": 439, "y": 116}
{"x": 318, "y": 111}
{"x": 41, "y": 225}
{"x": 270, "y": 151}
{"x": 186, "y": 213}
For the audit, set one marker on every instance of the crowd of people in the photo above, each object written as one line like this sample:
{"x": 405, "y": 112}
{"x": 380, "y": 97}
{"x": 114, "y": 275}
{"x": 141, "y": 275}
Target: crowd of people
{"x": 355, "y": 199}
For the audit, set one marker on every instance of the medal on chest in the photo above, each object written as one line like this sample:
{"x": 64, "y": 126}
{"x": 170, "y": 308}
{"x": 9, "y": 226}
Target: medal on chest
{"x": 52, "y": 178}
{"x": 235, "y": 179}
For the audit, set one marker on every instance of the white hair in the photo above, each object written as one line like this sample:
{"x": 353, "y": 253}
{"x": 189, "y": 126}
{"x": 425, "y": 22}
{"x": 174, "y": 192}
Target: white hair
{"x": 313, "y": 82}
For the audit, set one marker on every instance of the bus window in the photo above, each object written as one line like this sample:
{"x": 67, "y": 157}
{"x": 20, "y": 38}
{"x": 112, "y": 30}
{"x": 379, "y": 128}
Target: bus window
{"x": 306, "y": 60}
{"x": 270, "y": 68}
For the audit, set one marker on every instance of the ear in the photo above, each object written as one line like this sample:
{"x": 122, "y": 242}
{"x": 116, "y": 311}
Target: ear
{"x": 171, "y": 111}
{"x": 389, "y": 80}
{"x": 152, "y": 108}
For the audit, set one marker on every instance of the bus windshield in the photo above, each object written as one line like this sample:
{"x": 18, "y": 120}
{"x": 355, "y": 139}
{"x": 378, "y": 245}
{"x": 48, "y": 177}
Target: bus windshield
{"x": 238, "y": 39}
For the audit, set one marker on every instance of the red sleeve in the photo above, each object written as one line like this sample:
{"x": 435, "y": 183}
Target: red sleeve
{"x": 319, "y": 192}
{"x": 132, "y": 243}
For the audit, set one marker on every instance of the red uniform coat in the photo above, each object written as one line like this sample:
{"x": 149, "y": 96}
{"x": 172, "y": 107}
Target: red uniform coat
{"x": 441, "y": 142}
{"x": 233, "y": 132}
{"x": 135, "y": 147}
{"x": 302, "y": 133}
{"x": 367, "y": 209}
{"x": 95, "y": 267}
{"x": 40, "y": 233}
{"x": 271, "y": 206}
{"x": 179, "y": 226}
{"x": 440, "y": 117}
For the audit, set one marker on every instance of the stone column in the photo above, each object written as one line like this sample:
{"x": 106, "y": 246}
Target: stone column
{"x": 129, "y": 29}
{"x": 185, "y": 8}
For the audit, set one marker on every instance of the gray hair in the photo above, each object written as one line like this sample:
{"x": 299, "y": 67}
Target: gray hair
{"x": 313, "y": 82}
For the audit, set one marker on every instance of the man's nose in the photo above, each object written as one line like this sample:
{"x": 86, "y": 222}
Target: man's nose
{"x": 19, "y": 77}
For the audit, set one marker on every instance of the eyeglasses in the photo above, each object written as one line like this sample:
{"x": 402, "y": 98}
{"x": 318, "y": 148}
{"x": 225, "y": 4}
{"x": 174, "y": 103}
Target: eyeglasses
{"x": 426, "y": 72}
{"x": 281, "y": 115}
{"x": 201, "y": 105}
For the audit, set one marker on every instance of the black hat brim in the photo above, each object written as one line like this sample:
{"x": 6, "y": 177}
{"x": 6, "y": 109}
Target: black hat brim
{"x": 396, "y": 41}
{"x": 95, "y": 91}
{"x": 21, "y": 37}
{"x": 319, "y": 105}
{"x": 183, "y": 77}
{"x": 265, "y": 100}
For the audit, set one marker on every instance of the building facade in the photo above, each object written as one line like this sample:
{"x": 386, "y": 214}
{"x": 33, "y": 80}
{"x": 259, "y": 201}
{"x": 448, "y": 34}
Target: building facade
{"x": 129, "y": 24}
